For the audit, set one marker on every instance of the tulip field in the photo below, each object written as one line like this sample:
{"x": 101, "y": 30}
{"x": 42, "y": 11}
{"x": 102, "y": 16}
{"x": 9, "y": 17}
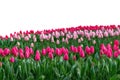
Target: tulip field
{"x": 75, "y": 53}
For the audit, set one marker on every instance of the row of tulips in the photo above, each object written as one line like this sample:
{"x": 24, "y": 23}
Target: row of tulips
{"x": 76, "y": 53}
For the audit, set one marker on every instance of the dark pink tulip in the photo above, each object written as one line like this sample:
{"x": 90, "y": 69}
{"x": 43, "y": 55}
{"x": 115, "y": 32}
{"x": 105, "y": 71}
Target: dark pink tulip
{"x": 115, "y": 47}
{"x": 37, "y": 56}
{"x": 116, "y": 42}
{"x": 119, "y": 51}
{"x": 116, "y": 54}
{"x": 109, "y": 46}
{"x": 31, "y": 51}
{"x": 66, "y": 57}
{"x": 72, "y": 48}
{"x": 14, "y": 51}
{"x": 21, "y": 55}
{"x": 1, "y": 50}
{"x": 26, "y": 48}
{"x": 109, "y": 53}
{"x": 82, "y": 54}
{"x": 58, "y": 52}
{"x": 6, "y": 51}
{"x": 52, "y": 50}
{"x": 27, "y": 54}
{"x": 79, "y": 48}
{"x": 12, "y": 59}
{"x": 75, "y": 50}
{"x": 44, "y": 51}
{"x": 48, "y": 49}
{"x": 87, "y": 50}
{"x": 50, "y": 55}
{"x": 92, "y": 49}
{"x": 21, "y": 50}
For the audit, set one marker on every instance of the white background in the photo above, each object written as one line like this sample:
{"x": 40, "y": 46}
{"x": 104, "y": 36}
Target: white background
{"x": 24, "y": 15}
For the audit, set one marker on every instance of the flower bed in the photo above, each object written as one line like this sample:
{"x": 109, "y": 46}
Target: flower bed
{"x": 76, "y": 53}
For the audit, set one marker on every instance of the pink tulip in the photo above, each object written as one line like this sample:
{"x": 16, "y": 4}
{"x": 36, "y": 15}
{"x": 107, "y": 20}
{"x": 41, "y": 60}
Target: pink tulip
{"x": 82, "y": 54}
{"x": 72, "y": 48}
{"x": 12, "y": 59}
{"x": 44, "y": 51}
{"x": 21, "y": 55}
{"x": 48, "y": 49}
{"x": 66, "y": 57}
{"x": 92, "y": 49}
{"x": 58, "y": 52}
{"x": 115, "y": 47}
{"x": 31, "y": 51}
{"x": 32, "y": 45}
{"x": 27, "y": 54}
{"x": 50, "y": 55}
{"x": 87, "y": 50}
{"x": 26, "y": 38}
{"x": 37, "y": 56}
{"x": 109, "y": 53}
{"x": 79, "y": 48}
{"x": 116, "y": 54}
{"x": 14, "y": 51}
{"x": 6, "y": 51}
{"x": 116, "y": 42}
{"x": 21, "y": 50}
{"x": 1, "y": 50}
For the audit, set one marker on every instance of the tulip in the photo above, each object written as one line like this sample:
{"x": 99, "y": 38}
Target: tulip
{"x": 87, "y": 50}
{"x": 115, "y": 47}
{"x": 57, "y": 42}
{"x": 44, "y": 51}
{"x": 82, "y": 54}
{"x": 31, "y": 51}
{"x": 92, "y": 49}
{"x": 12, "y": 59}
{"x": 37, "y": 56}
{"x": 21, "y": 55}
{"x": 32, "y": 45}
{"x": 116, "y": 42}
{"x": 58, "y": 52}
{"x": 14, "y": 51}
{"x": 50, "y": 55}
{"x": 116, "y": 54}
{"x": 109, "y": 53}
{"x": 6, "y": 51}
{"x": 66, "y": 57}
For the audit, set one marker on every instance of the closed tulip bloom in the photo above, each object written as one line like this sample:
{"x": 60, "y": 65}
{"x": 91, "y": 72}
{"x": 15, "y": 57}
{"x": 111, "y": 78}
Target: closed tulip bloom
{"x": 87, "y": 50}
{"x": 14, "y": 51}
{"x": 27, "y": 54}
{"x": 31, "y": 51}
{"x": 12, "y": 59}
{"x": 116, "y": 42}
{"x": 116, "y": 54}
{"x": 21, "y": 55}
{"x": 26, "y": 38}
{"x": 44, "y": 51}
{"x": 82, "y": 54}
{"x": 50, "y": 55}
{"x": 92, "y": 49}
{"x": 66, "y": 57}
{"x": 109, "y": 53}
{"x": 32, "y": 45}
{"x": 72, "y": 48}
{"x": 115, "y": 47}
{"x": 37, "y": 56}
{"x": 6, "y": 51}
{"x": 57, "y": 42}
{"x": 58, "y": 52}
